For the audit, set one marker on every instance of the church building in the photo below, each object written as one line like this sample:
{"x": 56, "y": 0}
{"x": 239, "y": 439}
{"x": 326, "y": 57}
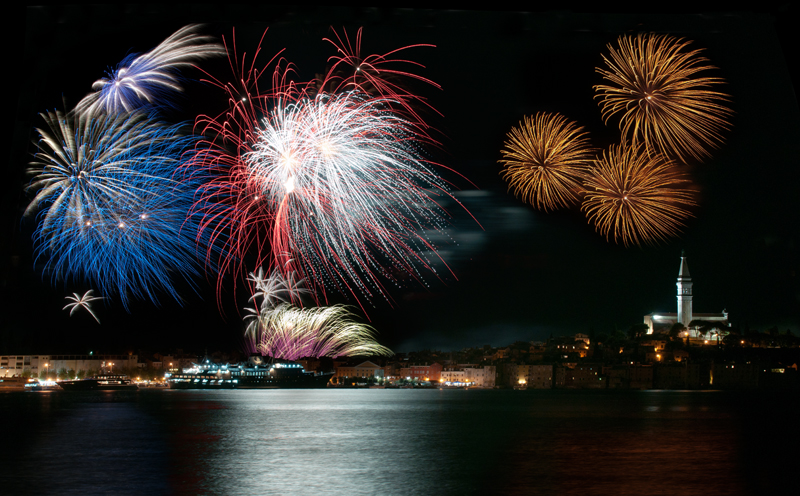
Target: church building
{"x": 662, "y": 321}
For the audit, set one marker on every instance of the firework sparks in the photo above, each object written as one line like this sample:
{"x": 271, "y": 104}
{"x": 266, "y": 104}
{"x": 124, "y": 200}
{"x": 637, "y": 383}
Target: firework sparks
{"x": 84, "y": 301}
{"x": 375, "y": 75}
{"x": 654, "y": 85}
{"x": 344, "y": 185}
{"x": 278, "y": 287}
{"x": 111, "y": 213}
{"x": 545, "y": 160}
{"x": 335, "y": 181}
{"x": 636, "y": 197}
{"x": 148, "y": 78}
{"x": 292, "y": 333}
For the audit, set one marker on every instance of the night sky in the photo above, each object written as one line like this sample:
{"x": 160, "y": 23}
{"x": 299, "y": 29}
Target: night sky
{"x": 521, "y": 274}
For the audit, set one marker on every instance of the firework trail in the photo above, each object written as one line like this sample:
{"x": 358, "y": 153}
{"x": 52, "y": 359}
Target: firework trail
{"x": 654, "y": 85}
{"x": 84, "y": 301}
{"x": 292, "y": 333}
{"x": 147, "y": 79}
{"x": 636, "y": 197}
{"x": 335, "y": 181}
{"x": 110, "y": 211}
{"x": 374, "y": 75}
{"x": 545, "y": 160}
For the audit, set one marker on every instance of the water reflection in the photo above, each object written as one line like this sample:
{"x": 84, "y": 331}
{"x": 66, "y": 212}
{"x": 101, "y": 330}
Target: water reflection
{"x": 396, "y": 442}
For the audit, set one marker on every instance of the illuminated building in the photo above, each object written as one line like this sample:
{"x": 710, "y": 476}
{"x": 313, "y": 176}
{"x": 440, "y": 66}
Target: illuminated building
{"x": 50, "y": 364}
{"x": 685, "y": 315}
{"x": 422, "y": 372}
{"x": 362, "y": 370}
{"x": 469, "y": 375}
{"x": 531, "y": 376}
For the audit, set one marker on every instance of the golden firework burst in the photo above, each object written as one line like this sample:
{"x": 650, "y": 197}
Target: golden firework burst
{"x": 545, "y": 159}
{"x": 654, "y": 85}
{"x": 635, "y": 196}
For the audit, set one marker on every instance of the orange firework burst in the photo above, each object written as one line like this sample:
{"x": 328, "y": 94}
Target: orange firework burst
{"x": 636, "y": 196}
{"x": 545, "y": 160}
{"x": 654, "y": 85}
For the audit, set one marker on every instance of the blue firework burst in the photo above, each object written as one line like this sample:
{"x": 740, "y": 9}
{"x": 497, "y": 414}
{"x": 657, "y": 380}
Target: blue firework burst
{"x": 111, "y": 210}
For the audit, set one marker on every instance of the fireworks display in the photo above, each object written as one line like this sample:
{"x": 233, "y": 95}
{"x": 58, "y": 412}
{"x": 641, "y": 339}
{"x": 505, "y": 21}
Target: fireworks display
{"x": 635, "y": 197}
{"x": 84, "y": 301}
{"x": 111, "y": 212}
{"x": 326, "y": 186}
{"x": 653, "y": 84}
{"x": 347, "y": 186}
{"x": 143, "y": 79}
{"x": 545, "y": 159}
{"x": 337, "y": 182}
{"x": 292, "y": 333}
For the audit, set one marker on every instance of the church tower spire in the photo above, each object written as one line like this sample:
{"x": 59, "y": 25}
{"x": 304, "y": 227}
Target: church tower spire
{"x": 684, "y": 292}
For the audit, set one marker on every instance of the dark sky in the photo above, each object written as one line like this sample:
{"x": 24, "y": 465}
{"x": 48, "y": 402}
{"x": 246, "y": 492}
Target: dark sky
{"x": 525, "y": 274}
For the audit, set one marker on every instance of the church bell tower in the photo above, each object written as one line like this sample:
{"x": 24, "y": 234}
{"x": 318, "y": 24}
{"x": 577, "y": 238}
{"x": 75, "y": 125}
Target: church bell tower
{"x": 684, "y": 292}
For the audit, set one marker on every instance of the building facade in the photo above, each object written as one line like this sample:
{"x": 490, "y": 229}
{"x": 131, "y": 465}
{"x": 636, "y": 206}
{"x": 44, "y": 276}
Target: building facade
{"x": 422, "y": 372}
{"x": 469, "y": 375}
{"x": 685, "y": 315}
{"x": 50, "y": 365}
{"x": 362, "y": 371}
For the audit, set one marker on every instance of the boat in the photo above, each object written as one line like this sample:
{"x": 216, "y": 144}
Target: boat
{"x": 14, "y": 383}
{"x": 42, "y": 385}
{"x": 208, "y": 375}
{"x": 102, "y": 382}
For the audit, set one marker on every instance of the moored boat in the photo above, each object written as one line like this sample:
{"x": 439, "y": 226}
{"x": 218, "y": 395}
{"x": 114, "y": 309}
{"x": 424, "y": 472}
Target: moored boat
{"x": 103, "y": 382}
{"x": 15, "y": 383}
{"x": 207, "y": 375}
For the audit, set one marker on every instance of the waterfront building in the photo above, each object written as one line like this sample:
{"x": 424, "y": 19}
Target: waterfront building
{"x": 362, "y": 370}
{"x": 585, "y": 375}
{"x": 485, "y": 376}
{"x": 514, "y": 374}
{"x": 532, "y": 376}
{"x": 629, "y": 376}
{"x": 470, "y": 375}
{"x": 11, "y": 365}
{"x": 560, "y": 375}
{"x": 662, "y": 321}
{"x": 540, "y": 376}
{"x": 428, "y": 372}
{"x": 453, "y": 375}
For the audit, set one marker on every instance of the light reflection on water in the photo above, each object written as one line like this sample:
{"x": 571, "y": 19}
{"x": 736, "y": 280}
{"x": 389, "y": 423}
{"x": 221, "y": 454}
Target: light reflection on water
{"x": 395, "y": 442}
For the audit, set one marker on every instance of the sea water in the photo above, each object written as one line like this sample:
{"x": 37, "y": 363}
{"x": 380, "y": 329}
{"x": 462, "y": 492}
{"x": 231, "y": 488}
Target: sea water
{"x": 399, "y": 441}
